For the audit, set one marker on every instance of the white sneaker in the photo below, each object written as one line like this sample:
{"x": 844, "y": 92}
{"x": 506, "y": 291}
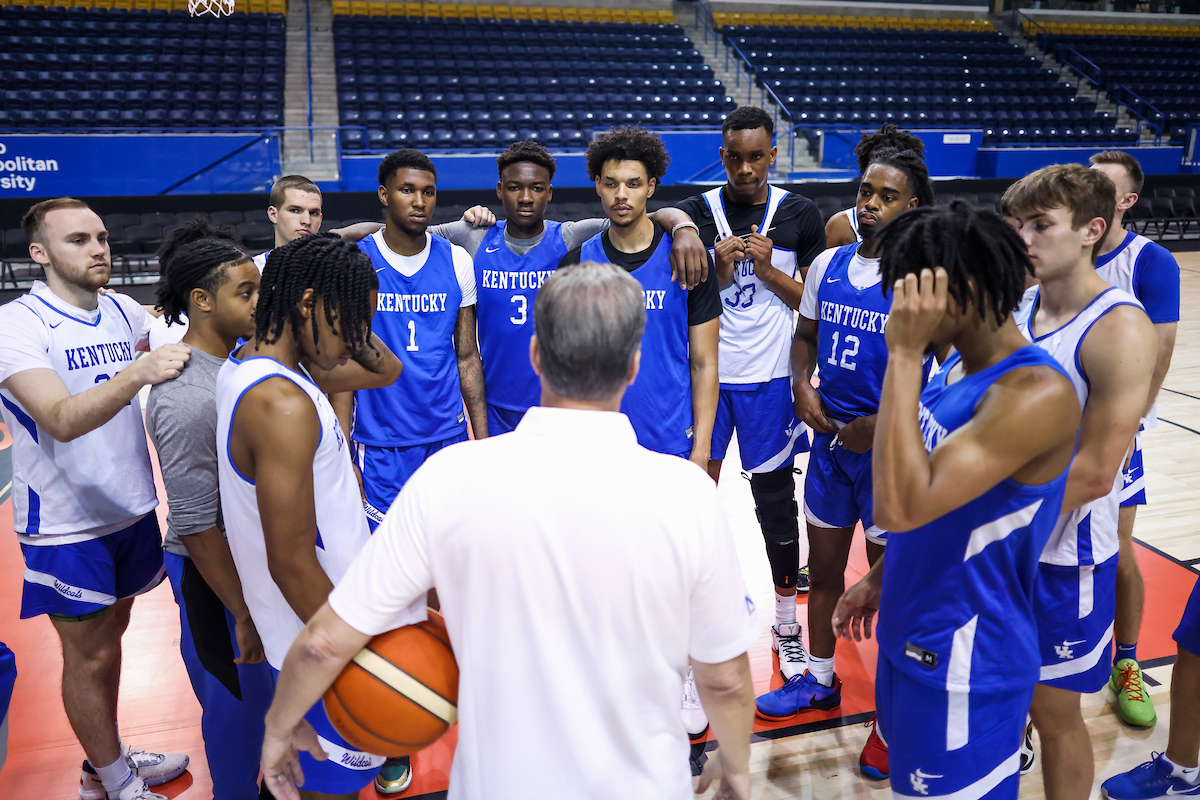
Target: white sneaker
{"x": 136, "y": 789}
{"x": 695, "y": 721}
{"x": 785, "y": 640}
{"x": 154, "y": 769}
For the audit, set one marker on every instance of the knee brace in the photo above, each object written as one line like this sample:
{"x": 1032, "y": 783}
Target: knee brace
{"x": 778, "y": 516}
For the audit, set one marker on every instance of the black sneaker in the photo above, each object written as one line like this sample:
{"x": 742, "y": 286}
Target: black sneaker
{"x": 802, "y": 584}
{"x": 1028, "y": 754}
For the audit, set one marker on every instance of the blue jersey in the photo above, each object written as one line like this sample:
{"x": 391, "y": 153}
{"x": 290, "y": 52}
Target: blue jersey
{"x": 659, "y": 403}
{"x": 415, "y": 317}
{"x": 957, "y": 604}
{"x": 507, "y": 284}
{"x": 851, "y": 351}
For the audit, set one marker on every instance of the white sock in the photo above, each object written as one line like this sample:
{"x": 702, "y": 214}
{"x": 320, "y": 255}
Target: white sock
{"x": 785, "y": 609}
{"x": 821, "y": 669}
{"x": 115, "y": 777}
{"x": 1189, "y": 774}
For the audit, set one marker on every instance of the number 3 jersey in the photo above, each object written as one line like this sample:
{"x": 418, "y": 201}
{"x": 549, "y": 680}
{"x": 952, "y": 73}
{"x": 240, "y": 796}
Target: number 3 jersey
{"x": 419, "y": 300}
{"x": 100, "y": 482}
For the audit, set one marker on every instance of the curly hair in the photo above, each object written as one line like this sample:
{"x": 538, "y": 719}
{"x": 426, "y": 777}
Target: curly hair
{"x": 628, "y": 143}
{"x": 404, "y": 159}
{"x": 984, "y": 257}
{"x": 912, "y": 165}
{"x": 887, "y": 136}
{"x": 336, "y": 270}
{"x": 526, "y": 151}
{"x": 748, "y": 118}
{"x": 196, "y": 255}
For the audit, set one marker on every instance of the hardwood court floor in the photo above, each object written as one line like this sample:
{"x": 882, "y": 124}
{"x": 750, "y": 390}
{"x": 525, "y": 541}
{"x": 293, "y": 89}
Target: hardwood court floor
{"x": 812, "y": 756}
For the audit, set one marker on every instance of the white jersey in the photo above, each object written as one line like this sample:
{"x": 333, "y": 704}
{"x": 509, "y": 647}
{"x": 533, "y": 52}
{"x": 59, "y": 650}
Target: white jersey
{"x": 162, "y": 332}
{"x": 756, "y": 325}
{"x": 102, "y": 481}
{"x": 260, "y": 261}
{"x": 341, "y": 525}
{"x": 852, "y": 215}
{"x": 1087, "y": 535}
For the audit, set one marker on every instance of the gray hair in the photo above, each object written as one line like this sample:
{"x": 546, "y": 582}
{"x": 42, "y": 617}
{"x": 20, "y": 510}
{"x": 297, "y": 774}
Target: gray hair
{"x": 589, "y": 320}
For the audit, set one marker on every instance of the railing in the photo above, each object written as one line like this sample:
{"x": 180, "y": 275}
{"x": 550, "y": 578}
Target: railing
{"x": 1191, "y": 150}
{"x": 1070, "y": 57}
{"x": 1119, "y": 94}
{"x": 308, "y": 72}
{"x": 1019, "y": 22}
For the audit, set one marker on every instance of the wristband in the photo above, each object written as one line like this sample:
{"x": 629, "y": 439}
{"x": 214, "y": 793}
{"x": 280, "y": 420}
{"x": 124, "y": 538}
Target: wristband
{"x": 676, "y": 229}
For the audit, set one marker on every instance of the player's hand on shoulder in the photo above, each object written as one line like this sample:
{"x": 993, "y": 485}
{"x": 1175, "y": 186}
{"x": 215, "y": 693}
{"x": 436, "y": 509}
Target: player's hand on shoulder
{"x": 918, "y": 307}
{"x": 856, "y": 609}
{"x": 479, "y": 217}
{"x": 162, "y": 365}
{"x": 859, "y": 435}
{"x": 810, "y": 408}
{"x": 689, "y": 259}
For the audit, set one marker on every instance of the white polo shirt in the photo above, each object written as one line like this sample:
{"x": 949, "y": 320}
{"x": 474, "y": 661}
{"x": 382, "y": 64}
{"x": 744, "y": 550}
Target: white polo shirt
{"x": 577, "y": 573}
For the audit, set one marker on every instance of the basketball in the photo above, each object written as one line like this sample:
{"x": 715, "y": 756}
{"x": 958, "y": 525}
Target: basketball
{"x": 400, "y": 693}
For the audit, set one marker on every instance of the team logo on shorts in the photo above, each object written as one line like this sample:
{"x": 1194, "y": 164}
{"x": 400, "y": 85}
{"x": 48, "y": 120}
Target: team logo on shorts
{"x": 1064, "y": 651}
{"x": 918, "y": 778}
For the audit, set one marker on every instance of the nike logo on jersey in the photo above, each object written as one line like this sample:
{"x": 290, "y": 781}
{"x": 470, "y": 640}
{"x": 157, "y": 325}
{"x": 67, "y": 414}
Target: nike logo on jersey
{"x": 55, "y": 325}
{"x": 832, "y": 280}
{"x": 490, "y": 249}
{"x": 852, "y": 317}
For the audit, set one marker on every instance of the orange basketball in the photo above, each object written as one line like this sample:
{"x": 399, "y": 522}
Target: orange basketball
{"x": 400, "y": 693}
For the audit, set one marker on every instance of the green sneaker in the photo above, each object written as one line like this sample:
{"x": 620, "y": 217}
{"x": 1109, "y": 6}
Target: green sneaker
{"x": 802, "y": 584}
{"x": 394, "y": 776}
{"x": 1134, "y": 705}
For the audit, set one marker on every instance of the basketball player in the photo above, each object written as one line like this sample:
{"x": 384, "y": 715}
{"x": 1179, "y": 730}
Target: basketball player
{"x": 841, "y": 329}
{"x": 1148, "y": 271}
{"x": 1103, "y": 339}
{"x": 764, "y": 237}
{"x": 842, "y": 227}
{"x": 969, "y": 476}
{"x": 83, "y": 491}
{"x": 567, "y": 688}
{"x": 207, "y": 275}
{"x": 289, "y": 497}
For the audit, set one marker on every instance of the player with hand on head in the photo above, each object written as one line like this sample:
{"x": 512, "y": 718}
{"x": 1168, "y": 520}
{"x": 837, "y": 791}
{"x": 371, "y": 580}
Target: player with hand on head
{"x": 764, "y": 238}
{"x": 83, "y": 490}
{"x": 842, "y": 227}
{"x": 289, "y": 496}
{"x": 1101, "y": 336}
{"x": 969, "y": 475}
{"x": 843, "y": 317}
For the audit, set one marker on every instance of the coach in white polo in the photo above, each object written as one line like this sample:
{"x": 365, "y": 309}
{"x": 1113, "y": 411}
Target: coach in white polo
{"x": 578, "y": 574}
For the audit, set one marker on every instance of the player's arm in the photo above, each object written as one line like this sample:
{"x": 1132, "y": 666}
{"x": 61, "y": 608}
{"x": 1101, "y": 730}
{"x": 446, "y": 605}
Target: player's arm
{"x": 727, "y": 693}
{"x": 1118, "y": 357}
{"x": 689, "y": 256}
{"x": 839, "y": 231}
{"x": 279, "y": 425}
{"x": 761, "y": 249}
{"x": 804, "y": 361}
{"x": 372, "y": 367}
{"x": 470, "y": 370}
{"x": 702, "y": 356}
{"x": 1025, "y": 416}
{"x": 1165, "y": 334}
{"x": 65, "y": 416}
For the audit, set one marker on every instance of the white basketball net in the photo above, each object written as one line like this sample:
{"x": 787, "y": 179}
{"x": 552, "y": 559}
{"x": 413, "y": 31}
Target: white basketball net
{"x": 218, "y": 8}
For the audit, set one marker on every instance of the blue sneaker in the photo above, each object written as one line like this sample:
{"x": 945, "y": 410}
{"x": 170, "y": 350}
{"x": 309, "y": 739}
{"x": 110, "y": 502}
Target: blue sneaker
{"x": 800, "y": 693}
{"x": 1146, "y": 781}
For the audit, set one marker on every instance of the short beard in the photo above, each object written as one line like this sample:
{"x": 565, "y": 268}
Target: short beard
{"x": 410, "y": 231}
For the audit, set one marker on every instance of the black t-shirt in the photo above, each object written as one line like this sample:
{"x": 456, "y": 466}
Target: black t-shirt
{"x": 704, "y": 302}
{"x": 797, "y": 225}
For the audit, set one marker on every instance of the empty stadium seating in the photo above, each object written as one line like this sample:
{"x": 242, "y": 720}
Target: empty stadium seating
{"x": 138, "y": 68}
{"x": 484, "y": 80}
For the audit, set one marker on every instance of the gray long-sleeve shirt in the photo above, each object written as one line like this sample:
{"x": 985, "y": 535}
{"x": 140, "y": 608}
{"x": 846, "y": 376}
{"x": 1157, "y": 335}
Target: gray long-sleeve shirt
{"x": 470, "y": 238}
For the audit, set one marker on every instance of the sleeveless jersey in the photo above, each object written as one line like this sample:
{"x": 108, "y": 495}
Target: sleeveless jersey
{"x": 659, "y": 403}
{"x": 851, "y": 351}
{"x": 958, "y": 591}
{"x": 1126, "y": 268}
{"x": 341, "y": 526}
{"x": 415, "y": 317}
{"x": 1087, "y": 535}
{"x": 756, "y": 325}
{"x": 102, "y": 481}
{"x": 507, "y": 284}
{"x": 852, "y": 215}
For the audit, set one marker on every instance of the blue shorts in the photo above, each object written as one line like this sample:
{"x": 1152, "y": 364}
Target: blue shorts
{"x": 837, "y": 488}
{"x": 347, "y": 770}
{"x": 764, "y": 414}
{"x": 502, "y": 420}
{"x": 949, "y": 743}
{"x": 385, "y": 470}
{"x": 70, "y": 580}
{"x": 1133, "y": 479}
{"x": 1074, "y": 608}
{"x": 1187, "y": 635}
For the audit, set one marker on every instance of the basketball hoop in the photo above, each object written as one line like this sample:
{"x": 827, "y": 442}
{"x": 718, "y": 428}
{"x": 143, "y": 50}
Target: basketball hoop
{"x": 218, "y": 8}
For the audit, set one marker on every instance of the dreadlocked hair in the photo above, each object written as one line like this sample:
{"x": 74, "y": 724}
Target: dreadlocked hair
{"x": 196, "y": 255}
{"x": 983, "y": 256}
{"x": 337, "y": 272}
{"x": 887, "y": 136}
{"x": 912, "y": 164}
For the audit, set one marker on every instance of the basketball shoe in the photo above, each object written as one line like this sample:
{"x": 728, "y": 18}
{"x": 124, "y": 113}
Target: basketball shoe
{"x": 1134, "y": 705}
{"x": 801, "y": 693}
{"x": 1153, "y": 779}
{"x": 873, "y": 762}
{"x": 802, "y": 582}
{"x": 785, "y": 641}
{"x": 154, "y": 769}
{"x": 695, "y": 721}
{"x": 1028, "y": 754}
{"x": 394, "y": 776}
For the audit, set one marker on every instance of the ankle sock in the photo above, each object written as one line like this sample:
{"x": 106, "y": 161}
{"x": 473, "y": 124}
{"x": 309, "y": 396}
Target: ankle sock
{"x": 1189, "y": 774}
{"x": 1125, "y": 651}
{"x": 115, "y": 777}
{"x": 785, "y": 609}
{"x": 821, "y": 669}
